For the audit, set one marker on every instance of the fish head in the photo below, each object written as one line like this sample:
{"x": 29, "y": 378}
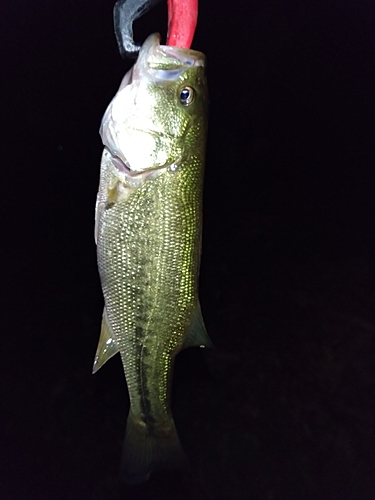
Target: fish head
{"x": 147, "y": 124}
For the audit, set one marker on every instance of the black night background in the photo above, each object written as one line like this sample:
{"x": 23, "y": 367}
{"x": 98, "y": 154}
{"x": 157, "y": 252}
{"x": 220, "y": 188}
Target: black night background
{"x": 283, "y": 408}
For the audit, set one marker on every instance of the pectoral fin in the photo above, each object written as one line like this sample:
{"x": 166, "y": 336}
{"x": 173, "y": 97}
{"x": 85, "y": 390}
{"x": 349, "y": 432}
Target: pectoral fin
{"x": 107, "y": 346}
{"x": 197, "y": 335}
{"x": 97, "y": 217}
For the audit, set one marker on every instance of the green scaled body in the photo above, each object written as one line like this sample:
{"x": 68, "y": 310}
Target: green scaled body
{"x": 148, "y": 232}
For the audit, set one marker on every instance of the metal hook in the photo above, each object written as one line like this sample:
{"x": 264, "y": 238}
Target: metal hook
{"x": 125, "y": 12}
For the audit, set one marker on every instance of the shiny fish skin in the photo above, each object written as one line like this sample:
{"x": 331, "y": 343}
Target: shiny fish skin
{"x": 148, "y": 231}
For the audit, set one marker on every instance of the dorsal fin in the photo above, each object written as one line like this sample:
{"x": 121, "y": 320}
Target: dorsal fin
{"x": 107, "y": 346}
{"x": 197, "y": 336}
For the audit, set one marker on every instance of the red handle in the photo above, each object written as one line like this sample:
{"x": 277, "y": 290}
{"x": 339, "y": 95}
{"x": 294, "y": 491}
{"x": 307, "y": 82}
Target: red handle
{"x": 182, "y": 20}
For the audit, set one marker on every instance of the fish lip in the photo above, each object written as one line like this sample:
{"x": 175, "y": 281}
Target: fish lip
{"x": 152, "y": 51}
{"x": 187, "y": 57}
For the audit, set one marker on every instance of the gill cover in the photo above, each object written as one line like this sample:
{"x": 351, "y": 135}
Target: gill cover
{"x": 146, "y": 123}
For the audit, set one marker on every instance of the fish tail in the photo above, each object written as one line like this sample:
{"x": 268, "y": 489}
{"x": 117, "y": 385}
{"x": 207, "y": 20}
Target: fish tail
{"x": 144, "y": 453}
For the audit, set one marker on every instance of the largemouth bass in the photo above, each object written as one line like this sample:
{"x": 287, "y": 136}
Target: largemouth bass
{"x": 148, "y": 233}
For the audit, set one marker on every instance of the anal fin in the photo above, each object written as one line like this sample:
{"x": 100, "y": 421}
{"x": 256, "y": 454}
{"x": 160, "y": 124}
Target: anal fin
{"x": 107, "y": 346}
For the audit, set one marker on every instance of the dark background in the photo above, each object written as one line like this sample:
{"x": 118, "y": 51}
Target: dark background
{"x": 284, "y": 407}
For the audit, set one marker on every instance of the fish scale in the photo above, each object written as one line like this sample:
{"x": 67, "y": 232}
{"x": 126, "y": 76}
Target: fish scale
{"x": 148, "y": 231}
{"x": 150, "y": 283}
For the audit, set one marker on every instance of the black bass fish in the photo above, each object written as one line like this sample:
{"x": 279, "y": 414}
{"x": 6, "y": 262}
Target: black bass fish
{"x": 148, "y": 233}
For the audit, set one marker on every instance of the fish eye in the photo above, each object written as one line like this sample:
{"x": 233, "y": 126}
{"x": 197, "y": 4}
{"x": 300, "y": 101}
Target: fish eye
{"x": 187, "y": 95}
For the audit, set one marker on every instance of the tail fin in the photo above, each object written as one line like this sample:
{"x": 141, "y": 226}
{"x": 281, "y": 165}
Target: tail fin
{"x": 144, "y": 453}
